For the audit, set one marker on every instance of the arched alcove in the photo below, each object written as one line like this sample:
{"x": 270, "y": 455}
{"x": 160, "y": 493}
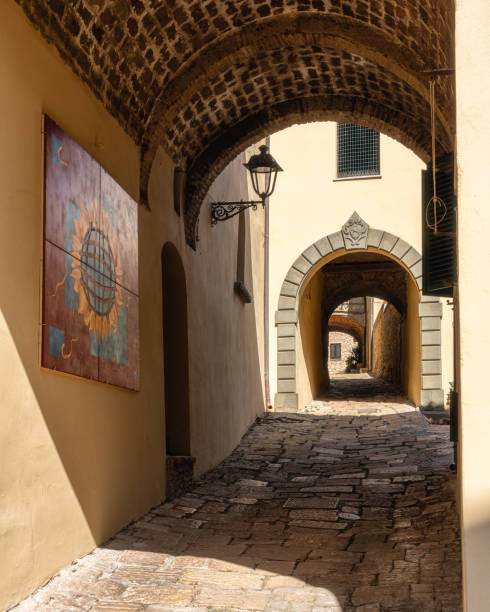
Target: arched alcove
{"x": 175, "y": 349}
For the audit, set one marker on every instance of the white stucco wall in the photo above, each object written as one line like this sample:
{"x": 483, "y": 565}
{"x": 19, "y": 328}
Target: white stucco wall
{"x": 473, "y": 127}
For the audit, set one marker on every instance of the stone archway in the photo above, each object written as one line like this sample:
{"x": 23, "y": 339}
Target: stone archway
{"x": 356, "y": 235}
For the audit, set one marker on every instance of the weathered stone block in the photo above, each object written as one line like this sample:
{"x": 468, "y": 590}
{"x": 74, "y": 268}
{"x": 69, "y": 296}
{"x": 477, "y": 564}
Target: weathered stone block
{"x": 430, "y": 309}
{"x": 411, "y": 257}
{"x": 432, "y": 399}
{"x": 431, "y": 352}
{"x": 310, "y": 502}
{"x": 324, "y": 247}
{"x": 289, "y": 289}
{"x": 374, "y": 237}
{"x": 400, "y": 249}
{"x": 302, "y": 264}
{"x": 429, "y": 298}
{"x": 286, "y": 316}
{"x": 432, "y": 381}
{"x": 312, "y": 254}
{"x": 286, "y": 402}
{"x": 286, "y": 357}
{"x": 286, "y": 372}
{"x": 336, "y": 240}
{"x": 286, "y": 344}
{"x": 285, "y": 330}
{"x": 286, "y": 302}
{"x": 314, "y": 514}
{"x": 387, "y": 242}
{"x": 431, "y": 367}
{"x": 294, "y": 276}
{"x": 416, "y": 269}
{"x": 430, "y": 323}
{"x": 431, "y": 337}
{"x": 286, "y": 386}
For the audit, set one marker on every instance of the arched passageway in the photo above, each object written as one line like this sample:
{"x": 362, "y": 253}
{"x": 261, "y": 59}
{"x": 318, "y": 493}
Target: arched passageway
{"x": 345, "y": 328}
{"x": 394, "y": 337}
{"x": 334, "y": 270}
{"x": 176, "y": 372}
{"x": 339, "y": 348}
{"x": 374, "y": 364}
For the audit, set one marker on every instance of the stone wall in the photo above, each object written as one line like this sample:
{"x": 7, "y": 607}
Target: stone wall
{"x": 347, "y": 342}
{"x": 386, "y": 345}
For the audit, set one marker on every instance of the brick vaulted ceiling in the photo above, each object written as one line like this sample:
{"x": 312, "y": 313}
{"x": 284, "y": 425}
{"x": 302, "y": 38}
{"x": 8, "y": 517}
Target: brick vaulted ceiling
{"x": 206, "y": 78}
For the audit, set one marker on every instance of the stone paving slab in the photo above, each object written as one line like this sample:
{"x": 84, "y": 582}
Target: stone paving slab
{"x": 347, "y": 507}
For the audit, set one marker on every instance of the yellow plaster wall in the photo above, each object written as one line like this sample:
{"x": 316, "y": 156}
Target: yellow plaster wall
{"x": 473, "y": 128}
{"x": 308, "y": 204}
{"x": 80, "y": 459}
{"x": 310, "y": 371}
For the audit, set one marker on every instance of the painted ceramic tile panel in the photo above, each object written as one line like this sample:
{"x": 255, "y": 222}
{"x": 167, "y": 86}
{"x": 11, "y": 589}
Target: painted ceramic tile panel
{"x": 90, "y": 297}
{"x": 118, "y": 353}
{"x": 66, "y": 343}
{"x": 120, "y": 213}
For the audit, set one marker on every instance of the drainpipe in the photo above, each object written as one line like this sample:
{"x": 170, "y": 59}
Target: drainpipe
{"x": 266, "y": 301}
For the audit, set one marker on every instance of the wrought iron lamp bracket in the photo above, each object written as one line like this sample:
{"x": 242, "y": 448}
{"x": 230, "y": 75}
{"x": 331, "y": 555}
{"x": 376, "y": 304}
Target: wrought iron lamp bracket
{"x": 222, "y": 211}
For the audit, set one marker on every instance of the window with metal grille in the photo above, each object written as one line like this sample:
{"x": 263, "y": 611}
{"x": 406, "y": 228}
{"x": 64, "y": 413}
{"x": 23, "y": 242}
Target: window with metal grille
{"x": 335, "y": 350}
{"x": 357, "y": 151}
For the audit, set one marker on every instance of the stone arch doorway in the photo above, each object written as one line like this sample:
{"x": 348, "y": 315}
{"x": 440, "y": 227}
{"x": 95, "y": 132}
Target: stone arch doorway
{"x": 176, "y": 372}
{"x": 357, "y": 237}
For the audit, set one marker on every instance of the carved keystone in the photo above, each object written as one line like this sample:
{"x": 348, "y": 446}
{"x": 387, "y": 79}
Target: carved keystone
{"x": 355, "y": 233}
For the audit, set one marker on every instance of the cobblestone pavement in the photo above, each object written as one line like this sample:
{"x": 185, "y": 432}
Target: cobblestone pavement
{"x": 348, "y": 506}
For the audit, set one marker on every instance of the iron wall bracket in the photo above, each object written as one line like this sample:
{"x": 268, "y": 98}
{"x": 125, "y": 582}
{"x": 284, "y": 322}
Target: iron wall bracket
{"x": 222, "y": 211}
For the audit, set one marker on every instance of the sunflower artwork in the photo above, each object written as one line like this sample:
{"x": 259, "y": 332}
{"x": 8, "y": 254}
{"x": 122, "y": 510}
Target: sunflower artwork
{"x": 90, "y": 284}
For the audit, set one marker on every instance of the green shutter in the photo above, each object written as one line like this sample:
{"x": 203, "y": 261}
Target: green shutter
{"x": 439, "y": 251}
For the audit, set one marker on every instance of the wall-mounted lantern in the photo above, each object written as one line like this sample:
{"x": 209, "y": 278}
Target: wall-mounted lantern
{"x": 263, "y": 170}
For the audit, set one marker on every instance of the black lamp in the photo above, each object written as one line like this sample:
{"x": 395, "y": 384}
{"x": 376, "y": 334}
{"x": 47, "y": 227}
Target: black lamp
{"x": 263, "y": 170}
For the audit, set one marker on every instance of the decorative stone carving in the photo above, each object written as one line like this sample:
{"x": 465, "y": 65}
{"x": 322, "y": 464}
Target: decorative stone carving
{"x": 355, "y": 233}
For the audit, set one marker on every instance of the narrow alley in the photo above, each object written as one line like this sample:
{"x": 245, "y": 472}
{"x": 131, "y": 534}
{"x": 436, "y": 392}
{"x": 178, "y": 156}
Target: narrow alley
{"x": 347, "y": 505}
